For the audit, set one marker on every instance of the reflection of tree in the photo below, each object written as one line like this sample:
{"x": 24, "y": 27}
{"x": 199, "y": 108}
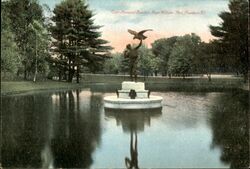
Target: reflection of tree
{"x": 77, "y": 133}
{"x": 133, "y": 121}
{"x": 24, "y": 126}
{"x": 37, "y": 134}
{"x": 230, "y": 128}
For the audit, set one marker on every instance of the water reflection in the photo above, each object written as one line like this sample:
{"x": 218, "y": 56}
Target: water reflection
{"x": 23, "y": 135}
{"x": 133, "y": 121}
{"x": 231, "y": 128}
{"x": 132, "y": 162}
{"x": 77, "y": 133}
{"x": 45, "y": 131}
{"x": 69, "y": 130}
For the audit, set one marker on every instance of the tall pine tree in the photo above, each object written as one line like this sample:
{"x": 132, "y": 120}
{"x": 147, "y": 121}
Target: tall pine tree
{"x": 232, "y": 42}
{"x": 77, "y": 42}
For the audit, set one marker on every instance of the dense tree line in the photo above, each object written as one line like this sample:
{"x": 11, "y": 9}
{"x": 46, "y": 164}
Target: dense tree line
{"x": 10, "y": 56}
{"x": 61, "y": 46}
{"x": 187, "y": 55}
{"x": 177, "y": 55}
{"x": 147, "y": 63}
{"x": 21, "y": 35}
{"x": 68, "y": 43}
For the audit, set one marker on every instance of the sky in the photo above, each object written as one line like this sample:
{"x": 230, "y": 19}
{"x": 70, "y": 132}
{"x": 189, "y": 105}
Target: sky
{"x": 166, "y": 17}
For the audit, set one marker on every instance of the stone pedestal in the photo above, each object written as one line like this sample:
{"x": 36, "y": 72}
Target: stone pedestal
{"x": 127, "y": 85}
{"x": 139, "y": 88}
{"x": 124, "y": 101}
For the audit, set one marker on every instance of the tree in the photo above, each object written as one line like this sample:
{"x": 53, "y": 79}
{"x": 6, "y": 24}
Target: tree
{"x": 124, "y": 64}
{"x": 231, "y": 34}
{"x": 147, "y": 63}
{"x": 10, "y": 57}
{"x": 10, "y": 54}
{"x": 22, "y": 14}
{"x": 180, "y": 61}
{"x": 77, "y": 42}
{"x": 162, "y": 49}
{"x": 40, "y": 48}
{"x": 183, "y": 54}
{"x": 205, "y": 61}
{"x": 113, "y": 65}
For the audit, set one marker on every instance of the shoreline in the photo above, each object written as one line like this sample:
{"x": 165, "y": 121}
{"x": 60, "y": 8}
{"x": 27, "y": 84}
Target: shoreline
{"x": 110, "y": 83}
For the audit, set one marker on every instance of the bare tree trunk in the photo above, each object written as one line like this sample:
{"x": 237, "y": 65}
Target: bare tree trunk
{"x": 25, "y": 72}
{"x": 169, "y": 75}
{"x": 69, "y": 79}
{"x": 34, "y": 79}
{"x": 156, "y": 73}
{"x": 25, "y": 64}
{"x": 4, "y": 75}
{"x": 60, "y": 75}
{"x": 78, "y": 74}
{"x": 246, "y": 74}
{"x": 209, "y": 77}
{"x": 71, "y": 75}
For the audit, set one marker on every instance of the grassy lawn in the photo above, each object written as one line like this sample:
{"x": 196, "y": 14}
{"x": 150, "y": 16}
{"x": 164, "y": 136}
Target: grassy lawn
{"x": 102, "y": 81}
{"x": 159, "y": 83}
{"x": 26, "y": 86}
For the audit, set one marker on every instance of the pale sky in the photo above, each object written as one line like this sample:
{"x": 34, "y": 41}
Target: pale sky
{"x": 166, "y": 17}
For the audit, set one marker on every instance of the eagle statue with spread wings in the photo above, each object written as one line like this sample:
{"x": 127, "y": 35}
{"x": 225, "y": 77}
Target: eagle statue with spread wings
{"x": 139, "y": 35}
{"x": 133, "y": 54}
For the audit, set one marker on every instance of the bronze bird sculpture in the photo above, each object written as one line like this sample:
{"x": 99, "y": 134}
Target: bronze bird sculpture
{"x": 139, "y": 35}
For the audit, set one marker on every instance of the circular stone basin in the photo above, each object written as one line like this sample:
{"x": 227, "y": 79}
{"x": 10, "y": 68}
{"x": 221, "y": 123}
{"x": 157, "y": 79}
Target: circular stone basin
{"x": 113, "y": 102}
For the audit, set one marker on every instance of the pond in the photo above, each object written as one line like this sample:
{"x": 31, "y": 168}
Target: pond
{"x": 71, "y": 129}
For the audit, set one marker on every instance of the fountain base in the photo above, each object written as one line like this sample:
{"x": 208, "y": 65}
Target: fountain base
{"x": 120, "y": 103}
{"x": 141, "y": 100}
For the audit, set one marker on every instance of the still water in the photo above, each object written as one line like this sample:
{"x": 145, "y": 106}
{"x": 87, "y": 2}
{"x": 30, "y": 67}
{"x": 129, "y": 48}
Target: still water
{"x": 71, "y": 129}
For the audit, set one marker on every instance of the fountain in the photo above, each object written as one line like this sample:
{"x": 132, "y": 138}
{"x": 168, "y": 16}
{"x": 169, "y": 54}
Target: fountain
{"x": 133, "y": 94}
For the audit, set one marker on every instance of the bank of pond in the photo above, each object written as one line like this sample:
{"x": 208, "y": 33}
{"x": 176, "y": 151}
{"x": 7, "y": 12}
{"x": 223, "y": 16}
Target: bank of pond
{"x": 100, "y": 82}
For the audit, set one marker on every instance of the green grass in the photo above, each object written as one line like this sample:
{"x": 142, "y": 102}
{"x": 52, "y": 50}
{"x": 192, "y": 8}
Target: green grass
{"x": 174, "y": 84}
{"x": 112, "y": 82}
{"x": 99, "y": 78}
{"x": 27, "y": 86}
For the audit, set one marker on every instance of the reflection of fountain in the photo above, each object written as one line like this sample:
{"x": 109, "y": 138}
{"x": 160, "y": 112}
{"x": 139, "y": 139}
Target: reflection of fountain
{"x": 133, "y": 121}
{"x": 133, "y": 161}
